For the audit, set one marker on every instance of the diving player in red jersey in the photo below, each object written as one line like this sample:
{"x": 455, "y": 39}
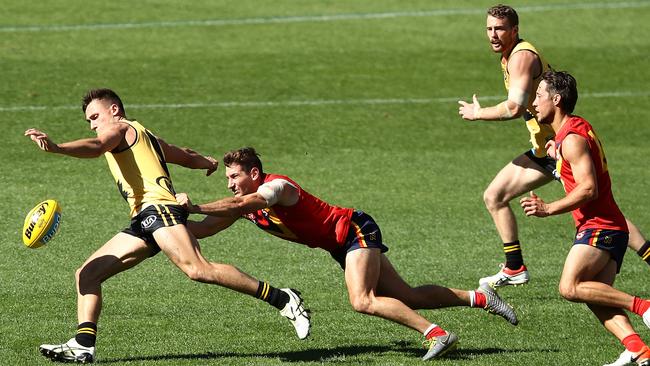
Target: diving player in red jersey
{"x": 279, "y": 206}
{"x": 601, "y": 231}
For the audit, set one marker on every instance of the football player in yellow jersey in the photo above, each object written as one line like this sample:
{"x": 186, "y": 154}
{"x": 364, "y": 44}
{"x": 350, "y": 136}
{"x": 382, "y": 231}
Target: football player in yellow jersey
{"x": 522, "y": 67}
{"x": 137, "y": 159}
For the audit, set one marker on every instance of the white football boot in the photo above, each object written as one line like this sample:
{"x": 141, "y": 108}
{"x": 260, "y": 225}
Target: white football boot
{"x": 295, "y": 311}
{"x": 506, "y": 277}
{"x": 624, "y": 359}
{"x": 71, "y": 351}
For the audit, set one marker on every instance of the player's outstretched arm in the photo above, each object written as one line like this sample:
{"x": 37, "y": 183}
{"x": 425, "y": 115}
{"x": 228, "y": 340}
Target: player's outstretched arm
{"x": 106, "y": 140}
{"x": 209, "y": 226}
{"x": 188, "y": 158}
{"x": 522, "y": 67}
{"x": 232, "y": 207}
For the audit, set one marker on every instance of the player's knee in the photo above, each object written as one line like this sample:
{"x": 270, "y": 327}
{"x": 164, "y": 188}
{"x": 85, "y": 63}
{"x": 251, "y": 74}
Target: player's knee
{"x": 493, "y": 199}
{"x": 569, "y": 291}
{"x": 194, "y": 272}
{"x": 86, "y": 279}
{"x": 362, "y": 304}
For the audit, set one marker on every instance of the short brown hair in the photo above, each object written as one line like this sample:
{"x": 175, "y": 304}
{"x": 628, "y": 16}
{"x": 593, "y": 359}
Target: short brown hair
{"x": 562, "y": 83}
{"x": 102, "y": 94}
{"x": 501, "y": 11}
{"x": 247, "y": 157}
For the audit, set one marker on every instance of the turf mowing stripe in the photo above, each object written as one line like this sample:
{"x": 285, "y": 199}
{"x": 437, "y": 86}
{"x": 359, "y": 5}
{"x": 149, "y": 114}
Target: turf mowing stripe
{"x": 316, "y": 102}
{"x": 315, "y": 18}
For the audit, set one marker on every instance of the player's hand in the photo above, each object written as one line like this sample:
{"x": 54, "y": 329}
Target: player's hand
{"x": 534, "y": 206}
{"x": 470, "y": 111}
{"x": 550, "y": 149}
{"x": 214, "y": 164}
{"x": 41, "y": 139}
{"x": 184, "y": 200}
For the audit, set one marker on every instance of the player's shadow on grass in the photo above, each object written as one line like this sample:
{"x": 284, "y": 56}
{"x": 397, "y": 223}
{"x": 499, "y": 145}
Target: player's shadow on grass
{"x": 327, "y": 354}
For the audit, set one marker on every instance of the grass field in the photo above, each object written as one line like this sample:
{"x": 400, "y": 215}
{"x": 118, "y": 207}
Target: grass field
{"x": 356, "y": 100}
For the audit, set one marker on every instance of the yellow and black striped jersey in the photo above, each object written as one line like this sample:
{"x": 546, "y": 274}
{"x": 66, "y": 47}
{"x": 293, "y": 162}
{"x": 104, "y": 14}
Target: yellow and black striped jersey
{"x": 140, "y": 171}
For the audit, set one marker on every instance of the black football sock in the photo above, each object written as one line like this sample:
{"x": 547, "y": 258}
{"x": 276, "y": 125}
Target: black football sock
{"x": 514, "y": 259}
{"x": 644, "y": 252}
{"x": 272, "y": 295}
{"x": 86, "y": 334}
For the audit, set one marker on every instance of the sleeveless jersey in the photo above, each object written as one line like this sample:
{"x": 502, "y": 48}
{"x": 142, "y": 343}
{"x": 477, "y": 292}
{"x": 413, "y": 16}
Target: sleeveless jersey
{"x": 310, "y": 221}
{"x": 140, "y": 171}
{"x": 603, "y": 212}
{"x": 539, "y": 133}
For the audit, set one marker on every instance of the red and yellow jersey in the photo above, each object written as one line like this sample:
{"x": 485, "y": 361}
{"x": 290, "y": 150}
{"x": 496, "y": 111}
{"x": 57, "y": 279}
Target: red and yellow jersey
{"x": 310, "y": 221}
{"x": 603, "y": 212}
{"x": 140, "y": 171}
{"x": 539, "y": 133}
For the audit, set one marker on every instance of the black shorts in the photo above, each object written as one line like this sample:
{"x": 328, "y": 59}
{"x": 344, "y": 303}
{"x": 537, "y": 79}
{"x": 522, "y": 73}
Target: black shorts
{"x": 547, "y": 163}
{"x": 612, "y": 241}
{"x": 363, "y": 233}
{"x": 153, "y": 218}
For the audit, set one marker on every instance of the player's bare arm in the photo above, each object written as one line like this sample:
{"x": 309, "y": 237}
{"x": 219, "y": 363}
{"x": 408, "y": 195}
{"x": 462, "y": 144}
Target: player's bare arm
{"x": 108, "y": 138}
{"x": 188, "y": 158}
{"x": 227, "y": 207}
{"x": 576, "y": 152}
{"x": 209, "y": 226}
{"x": 522, "y": 67}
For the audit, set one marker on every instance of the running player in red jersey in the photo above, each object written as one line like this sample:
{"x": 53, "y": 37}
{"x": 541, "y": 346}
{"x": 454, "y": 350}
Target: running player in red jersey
{"x": 522, "y": 66}
{"x": 601, "y": 231}
{"x": 279, "y": 206}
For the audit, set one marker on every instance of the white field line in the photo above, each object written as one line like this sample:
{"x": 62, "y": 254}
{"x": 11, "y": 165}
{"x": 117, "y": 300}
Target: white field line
{"x": 309, "y": 103}
{"x": 316, "y": 18}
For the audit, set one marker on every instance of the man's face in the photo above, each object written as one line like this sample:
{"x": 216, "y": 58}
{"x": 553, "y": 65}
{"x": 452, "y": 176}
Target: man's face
{"x": 241, "y": 182}
{"x": 99, "y": 113}
{"x": 502, "y": 36}
{"x": 544, "y": 104}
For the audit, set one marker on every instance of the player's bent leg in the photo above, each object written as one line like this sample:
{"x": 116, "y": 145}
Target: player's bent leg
{"x": 362, "y": 268}
{"x": 362, "y": 272}
{"x": 184, "y": 251}
{"x": 518, "y": 177}
{"x": 120, "y": 253}
{"x": 391, "y": 284}
{"x": 578, "y": 283}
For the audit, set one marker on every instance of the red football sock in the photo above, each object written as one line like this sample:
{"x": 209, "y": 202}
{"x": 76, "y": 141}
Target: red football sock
{"x": 479, "y": 300}
{"x": 435, "y": 331}
{"x": 639, "y": 306}
{"x": 633, "y": 343}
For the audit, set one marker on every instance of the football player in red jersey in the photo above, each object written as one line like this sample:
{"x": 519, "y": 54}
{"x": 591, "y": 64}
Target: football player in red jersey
{"x": 601, "y": 231}
{"x": 279, "y": 206}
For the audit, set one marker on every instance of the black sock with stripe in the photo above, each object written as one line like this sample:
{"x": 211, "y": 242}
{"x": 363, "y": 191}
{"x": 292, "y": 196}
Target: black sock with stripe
{"x": 514, "y": 259}
{"x": 644, "y": 252}
{"x": 272, "y": 295}
{"x": 86, "y": 334}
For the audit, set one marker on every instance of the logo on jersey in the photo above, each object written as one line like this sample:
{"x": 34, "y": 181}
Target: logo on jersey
{"x": 268, "y": 221}
{"x": 166, "y": 183}
{"x": 147, "y": 222}
{"x": 580, "y": 235}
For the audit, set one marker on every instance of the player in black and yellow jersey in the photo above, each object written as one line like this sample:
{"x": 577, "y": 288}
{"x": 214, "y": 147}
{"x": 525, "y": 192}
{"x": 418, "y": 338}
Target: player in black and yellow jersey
{"x": 522, "y": 66}
{"x": 138, "y": 161}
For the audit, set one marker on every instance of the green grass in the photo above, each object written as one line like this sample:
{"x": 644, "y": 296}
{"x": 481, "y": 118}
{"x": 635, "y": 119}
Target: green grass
{"x": 416, "y": 167}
